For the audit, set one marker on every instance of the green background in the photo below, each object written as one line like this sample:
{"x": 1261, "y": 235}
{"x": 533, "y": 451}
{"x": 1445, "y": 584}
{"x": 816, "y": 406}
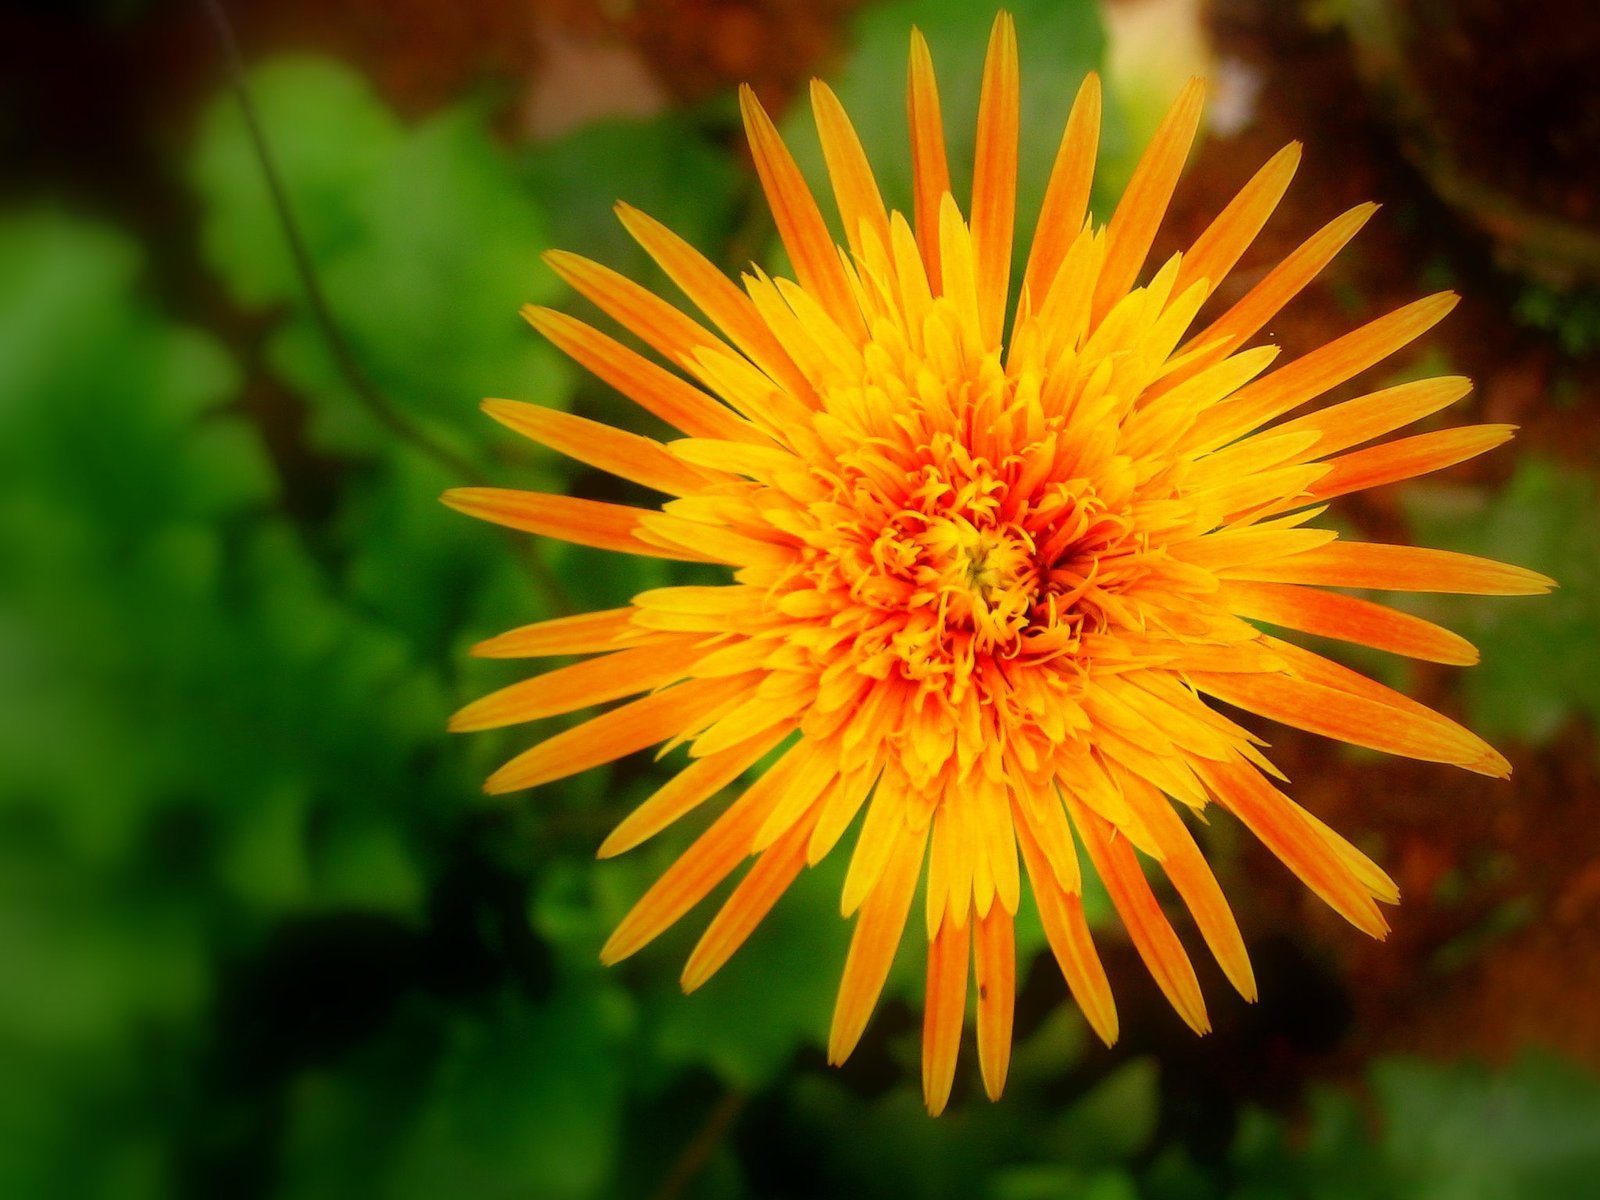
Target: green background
{"x": 260, "y": 932}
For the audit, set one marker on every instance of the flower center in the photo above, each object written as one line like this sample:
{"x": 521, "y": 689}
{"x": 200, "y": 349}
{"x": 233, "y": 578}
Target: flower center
{"x": 982, "y": 580}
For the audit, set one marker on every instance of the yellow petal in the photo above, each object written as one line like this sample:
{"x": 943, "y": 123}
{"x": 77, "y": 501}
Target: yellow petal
{"x": 994, "y": 175}
{"x": 586, "y": 522}
{"x": 800, "y": 224}
{"x": 626, "y": 455}
{"x": 930, "y": 170}
{"x": 1144, "y": 202}
{"x": 613, "y": 735}
{"x": 876, "y": 938}
{"x": 854, "y": 188}
{"x": 1066, "y": 198}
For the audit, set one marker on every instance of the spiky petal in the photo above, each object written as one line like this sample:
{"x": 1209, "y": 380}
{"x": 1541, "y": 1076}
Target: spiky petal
{"x": 987, "y": 577}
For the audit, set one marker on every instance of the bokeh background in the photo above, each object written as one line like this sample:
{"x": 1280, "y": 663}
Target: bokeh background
{"x": 260, "y": 933}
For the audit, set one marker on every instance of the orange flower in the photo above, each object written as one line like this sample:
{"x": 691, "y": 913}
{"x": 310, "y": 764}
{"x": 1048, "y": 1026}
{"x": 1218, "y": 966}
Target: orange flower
{"x": 985, "y": 574}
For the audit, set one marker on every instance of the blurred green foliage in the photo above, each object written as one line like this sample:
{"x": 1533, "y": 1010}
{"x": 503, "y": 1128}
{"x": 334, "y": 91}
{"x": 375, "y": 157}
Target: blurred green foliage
{"x": 260, "y": 935}
{"x": 1538, "y": 666}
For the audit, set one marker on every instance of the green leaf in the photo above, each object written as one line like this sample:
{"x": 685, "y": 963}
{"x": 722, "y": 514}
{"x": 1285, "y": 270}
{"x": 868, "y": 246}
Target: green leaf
{"x": 527, "y": 1101}
{"x": 1114, "y": 1121}
{"x": 449, "y": 251}
{"x": 425, "y": 241}
{"x": 1467, "y": 1133}
{"x": 331, "y": 139}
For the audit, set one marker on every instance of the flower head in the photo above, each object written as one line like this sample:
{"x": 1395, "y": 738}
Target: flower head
{"x": 988, "y": 571}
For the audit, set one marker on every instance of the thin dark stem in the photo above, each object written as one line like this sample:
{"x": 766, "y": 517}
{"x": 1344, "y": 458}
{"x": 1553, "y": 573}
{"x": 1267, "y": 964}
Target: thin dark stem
{"x": 377, "y": 405}
{"x": 374, "y": 401}
{"x": 697, "y": 1152}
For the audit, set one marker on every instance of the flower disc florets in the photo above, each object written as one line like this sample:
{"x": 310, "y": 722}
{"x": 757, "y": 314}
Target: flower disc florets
{"x": 991, "y": 561}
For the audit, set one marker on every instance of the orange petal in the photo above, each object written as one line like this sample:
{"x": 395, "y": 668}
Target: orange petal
{"x": 800, "y": 224}
{"x": 1192, "y": 878}
{"x": 706, "y": 863}
{"x": 714, "y": 294}
{"x": 1315, "y": 669}
{"x": 1282, "y": 284}
{"x": 1347, "y": 618}
{"x": 930, "y": 169}
{"x": 944, "y": 1010}
{"x": 995, "y": 957}
{"x": 687, "y": 790}
{"x": 1133, "y": 226}
{"x": 1045, "y": 815}
{"x": 854, "y": 188}
{"x": 1368, "y": 873}
{"x": 1332, "y": 713}
{"x": 1312, "y": 374}
{"x": 1147, "y": 925}
{"x": 586, "y": 633}
{"x": 1384, "y": 567}
{"x": 744, "y": 909}
{"x": 1243, "y": 552}
{"x": 586, "y": 522}
{"x": 620, "y": 732}
{"x": 876, "y": 938}
{"x": 1355, "y": 421}
{"x": 817, "y": 767}
{"x": 667, "y": 330}
{"x": 994, "y": 175}
{"x": 1406, "y": 458}
{"x": 1215, "y": 251}
{"x": 1066, "y": 199}
{"x": 755, "y": 716}
{"x": 676, "y": 402}
{"x": 668, "y": 535}
{"x": 581, "y": 685}
{"x": 886, "y": 816}
{"x": 1282, "y": 827}
{"x": 838, "y": 811}
{"x": 959, "y": 269}
{"x": 625, "y": 455}
{"x": 1061, "y": 914}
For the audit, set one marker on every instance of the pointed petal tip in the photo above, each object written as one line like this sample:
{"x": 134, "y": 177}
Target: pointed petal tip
{"x": 503, "y": 411}
{"x": 560, "y": 261}
{"x": 1003, "y": 32}
{"x": 633, "y": 219}
{"x": 1494, "y": 764}
{"x": 612, "y": 846}
{"x": 500, "y": 784}
{"x": 1545, "y": 582}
